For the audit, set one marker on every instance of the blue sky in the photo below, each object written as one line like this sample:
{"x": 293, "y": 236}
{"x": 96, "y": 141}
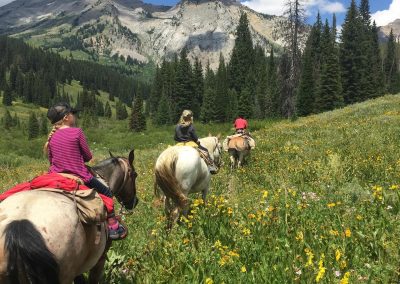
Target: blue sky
{"x": 384, "y": 11}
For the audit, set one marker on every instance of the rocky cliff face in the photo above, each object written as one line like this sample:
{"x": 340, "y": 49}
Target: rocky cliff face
{"x": 385, "y": 31}
{"x": 130, "y": 27}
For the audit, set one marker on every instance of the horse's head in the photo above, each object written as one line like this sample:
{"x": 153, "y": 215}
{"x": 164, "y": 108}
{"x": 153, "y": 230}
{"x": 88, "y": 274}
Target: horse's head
{"x": 217, "y": 152}
{"x": 214, "y": 147}
{"x": 120, "y": 175}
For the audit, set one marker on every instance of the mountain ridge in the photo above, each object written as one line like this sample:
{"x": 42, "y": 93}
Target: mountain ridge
{"x": 132, "y": 28}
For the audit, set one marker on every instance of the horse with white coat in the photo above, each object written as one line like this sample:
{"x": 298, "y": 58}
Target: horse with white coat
{"x": 179, "y": 171}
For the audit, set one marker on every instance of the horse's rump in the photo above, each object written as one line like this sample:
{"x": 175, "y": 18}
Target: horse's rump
{"x": 55, "y": 218}
{"x": 165, "y": 174}
{"x": 238, "y": 143}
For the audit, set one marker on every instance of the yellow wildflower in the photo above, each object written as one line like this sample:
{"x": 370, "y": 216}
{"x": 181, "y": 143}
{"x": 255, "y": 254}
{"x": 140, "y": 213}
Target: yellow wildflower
{"x": 265, "y": 194}
{"x": 217, "y": 244}
{"x": 345, "y": 279}
{"x": 334, "y": 233}
{"x": 243, "y": 269}
{"x": 338, "y": 254}
{"x": 359, "y": 217}
{"x": 347, "y": 233}
{"x": 246, "y": 231}
{"x": 321, "y": 270}
{"x": 300, "y": 236}
{"x": 330, "y": 205}
{"x": 251, "y": 216}
{"x": 310, "y": 257}
{"x": 209, "y": 281}
{"x": 233, "y": 253}
{"x": 343, "y": 264}
{"x": 229, "y": 211}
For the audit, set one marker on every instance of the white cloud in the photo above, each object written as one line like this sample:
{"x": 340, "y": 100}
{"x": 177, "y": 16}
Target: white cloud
{"x": 276, "y": 7}
{"x": 385, "y": 17}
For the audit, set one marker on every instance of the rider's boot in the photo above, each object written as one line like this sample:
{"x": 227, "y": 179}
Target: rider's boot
{"x": 115, "y": 230}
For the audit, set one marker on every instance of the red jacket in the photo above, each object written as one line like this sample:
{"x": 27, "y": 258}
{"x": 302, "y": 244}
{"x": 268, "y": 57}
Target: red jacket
{"x": 54, "y": 181}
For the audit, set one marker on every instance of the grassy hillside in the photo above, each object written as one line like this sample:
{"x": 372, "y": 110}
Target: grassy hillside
{"x": 318, "y": 202}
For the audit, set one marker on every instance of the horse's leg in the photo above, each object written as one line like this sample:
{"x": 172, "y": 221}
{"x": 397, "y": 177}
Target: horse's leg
{"x": 172, "y": 212}
{"x": 96, "y": 273}
{"x": 240, "y": 160}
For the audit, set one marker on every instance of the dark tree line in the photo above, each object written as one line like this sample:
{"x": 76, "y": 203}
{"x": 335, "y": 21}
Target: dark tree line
{"x": 328, "y": 73}
{"x": 33, "y": 75}
{"x": 353, "y": 70}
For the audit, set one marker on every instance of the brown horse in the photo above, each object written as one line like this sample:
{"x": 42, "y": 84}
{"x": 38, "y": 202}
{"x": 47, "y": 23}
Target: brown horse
{"x": 238, "y": 149}
{"x": 42, "y": 239}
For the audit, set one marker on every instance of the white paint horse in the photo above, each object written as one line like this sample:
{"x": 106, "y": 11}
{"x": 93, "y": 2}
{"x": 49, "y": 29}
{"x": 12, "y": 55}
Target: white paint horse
{"x": 179, "y": 171}
{"x": 42, "y": 239}
{"x": 238, "y": 149}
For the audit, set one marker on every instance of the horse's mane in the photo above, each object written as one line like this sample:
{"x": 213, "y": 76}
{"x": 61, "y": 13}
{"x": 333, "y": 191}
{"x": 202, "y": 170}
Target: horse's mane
{"x": 106, "y": 163}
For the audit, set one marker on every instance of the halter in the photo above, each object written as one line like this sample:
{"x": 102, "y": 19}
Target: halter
{"x": 127, "y": 173}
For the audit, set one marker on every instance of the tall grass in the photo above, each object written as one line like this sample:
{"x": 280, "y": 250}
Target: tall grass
{"x": 318, "y": 201}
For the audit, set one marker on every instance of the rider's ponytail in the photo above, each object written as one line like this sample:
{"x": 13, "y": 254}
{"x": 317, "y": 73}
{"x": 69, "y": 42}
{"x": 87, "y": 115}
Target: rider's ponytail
{"x": 56, "y": 126}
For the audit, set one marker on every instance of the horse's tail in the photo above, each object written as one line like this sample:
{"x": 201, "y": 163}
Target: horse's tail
{"x": 166, "y": 180}
{"x": 29, "y": 259}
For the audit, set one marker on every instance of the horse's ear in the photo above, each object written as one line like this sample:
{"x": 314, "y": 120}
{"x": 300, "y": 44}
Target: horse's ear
{"x": 219, "y": 136}
{"x": 209, "y": 134}
{"x": 131, "y": 156}
{"x": 111, "y": 155}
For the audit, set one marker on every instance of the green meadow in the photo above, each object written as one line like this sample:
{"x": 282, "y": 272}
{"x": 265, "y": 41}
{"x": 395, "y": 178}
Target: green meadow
{"x": 317, "y": 202}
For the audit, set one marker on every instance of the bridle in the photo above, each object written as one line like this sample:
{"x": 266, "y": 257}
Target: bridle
{"x": 129, "y": 173}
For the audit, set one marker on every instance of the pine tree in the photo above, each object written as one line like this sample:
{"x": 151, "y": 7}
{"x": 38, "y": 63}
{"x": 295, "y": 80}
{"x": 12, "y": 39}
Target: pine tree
{"x": 378, "y": 79}
{"x": 221, "y": 93}
{"x": 120, "y": 111}
{"x": 208, "y": 108}
{"x": 99, "y": 108}
{"x": 155, "y": 92}
{"x": 184, "y": 88}
{"x": 198, "y": 87}
{"x": 243, "y": 102}
{"x": 7, "y": 96}
{"x": 138, "y": 120}
{"x": 329, "y": 93}
{"x": 350, "y": 55}
{"x": 33, "y": 126}
{"x": 107, "y": 110}
{"x": 232, "y": 105}
{"x": 242, "y": 58}
{"x": 306, "y": 93}
{"x": 7, "y": 120}
{"x": 291, "y": 29}
{"x": 390, "y": 64}
{"x": 43, "y": 125}
{"x": 272, "y": 104}
{"x": 162, "y": 116}
{"x": 261, "y": 84}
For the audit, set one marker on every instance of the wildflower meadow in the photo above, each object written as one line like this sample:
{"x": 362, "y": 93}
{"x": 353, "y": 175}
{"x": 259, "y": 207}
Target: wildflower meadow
{"x": 317, "y": 202}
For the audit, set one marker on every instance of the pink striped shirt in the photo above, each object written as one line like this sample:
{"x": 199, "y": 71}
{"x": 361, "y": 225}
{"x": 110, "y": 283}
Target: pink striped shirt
{"x": 68, "y": 152}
